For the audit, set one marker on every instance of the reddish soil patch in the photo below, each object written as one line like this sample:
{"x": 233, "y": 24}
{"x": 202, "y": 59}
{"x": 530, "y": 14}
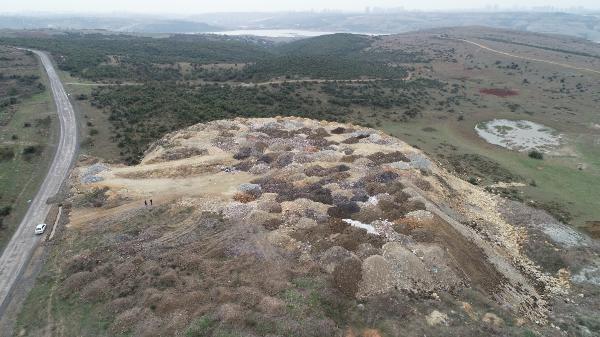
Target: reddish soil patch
{"x": 499, "y": 92}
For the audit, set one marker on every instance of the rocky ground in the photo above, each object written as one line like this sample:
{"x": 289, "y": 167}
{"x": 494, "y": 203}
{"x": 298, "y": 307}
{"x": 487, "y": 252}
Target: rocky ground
{"x": 296, "y": 227}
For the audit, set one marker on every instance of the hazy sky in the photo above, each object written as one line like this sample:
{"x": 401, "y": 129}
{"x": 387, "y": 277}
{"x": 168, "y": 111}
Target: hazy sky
{"x": 202, "y": 6}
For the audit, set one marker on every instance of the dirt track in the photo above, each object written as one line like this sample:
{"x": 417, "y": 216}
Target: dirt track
{"x": 243, "y": 84}
{"x": 565, "y": 65}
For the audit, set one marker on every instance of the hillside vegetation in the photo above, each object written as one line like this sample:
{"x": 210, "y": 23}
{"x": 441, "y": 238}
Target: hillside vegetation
{"x": 124, "y": 57}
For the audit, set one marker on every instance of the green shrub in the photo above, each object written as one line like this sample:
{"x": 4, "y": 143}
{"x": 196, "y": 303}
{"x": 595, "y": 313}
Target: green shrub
{"x": 5, "y": 211}
{"x": 94, "y": 198}
{"x": 6, "y": 154}
{"x": 201, "y": 327}
{"x": 536, "y": 155}
{"x": 30, "y": 151}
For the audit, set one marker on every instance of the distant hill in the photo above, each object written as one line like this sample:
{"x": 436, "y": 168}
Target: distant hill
{"x": 138, "y": 24}
{"x": 173, "y": 26}
{"x": 335, "y": 44}
{"x": 584, "y": 25}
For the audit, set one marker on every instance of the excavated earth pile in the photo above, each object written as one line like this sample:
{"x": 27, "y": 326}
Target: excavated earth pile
{"x": 290, "y": 226}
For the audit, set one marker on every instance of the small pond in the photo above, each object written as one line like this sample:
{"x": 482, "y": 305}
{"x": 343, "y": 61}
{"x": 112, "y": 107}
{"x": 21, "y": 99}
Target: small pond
{"x": 519, "y": 135}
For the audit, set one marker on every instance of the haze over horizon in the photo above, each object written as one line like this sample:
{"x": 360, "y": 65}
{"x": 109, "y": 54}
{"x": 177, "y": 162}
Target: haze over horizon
{"x": 191, "y": 7}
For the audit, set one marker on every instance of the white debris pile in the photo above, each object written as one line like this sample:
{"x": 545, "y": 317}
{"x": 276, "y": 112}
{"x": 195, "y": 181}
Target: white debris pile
{"x": 589, "y": 274}
{"x": 564, "y": 235}
{"x": 419, "y": 215}
{"x": 90, "y": 175}
{"x": 369, "y": 228}
{"x": 386, "y": 228}
{"x": 420, "y": 162}
{"x": 252, "y": 189}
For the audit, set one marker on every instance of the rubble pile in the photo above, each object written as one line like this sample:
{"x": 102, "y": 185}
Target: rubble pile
{"x": 367, "y": 208}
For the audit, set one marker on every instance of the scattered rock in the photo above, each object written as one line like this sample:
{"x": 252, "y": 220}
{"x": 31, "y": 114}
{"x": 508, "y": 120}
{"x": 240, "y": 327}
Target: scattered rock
{"x": 90, "y": 175}
{"x": 468, "y": 309}
{"x": 589, "y": 274}
{"x": 436, "y": 318}
{"x": 252, "y": 189}
{"x": 491, "y": 318}
{"x": 419, "y": 215}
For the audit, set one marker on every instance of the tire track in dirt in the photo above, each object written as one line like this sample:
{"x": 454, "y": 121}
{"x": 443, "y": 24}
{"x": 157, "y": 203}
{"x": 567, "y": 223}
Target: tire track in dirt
{"x": 408, "y": 77}
{"x": 565, "y": 65}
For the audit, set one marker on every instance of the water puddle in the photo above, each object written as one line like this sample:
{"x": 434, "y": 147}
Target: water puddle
{"x": 520, "y": 135}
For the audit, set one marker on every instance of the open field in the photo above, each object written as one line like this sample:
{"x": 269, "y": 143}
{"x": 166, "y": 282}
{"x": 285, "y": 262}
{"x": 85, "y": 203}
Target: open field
{"x": 94, "y": 126}
{"x": 27, "y": 134}
{"x": 567, "y": 181}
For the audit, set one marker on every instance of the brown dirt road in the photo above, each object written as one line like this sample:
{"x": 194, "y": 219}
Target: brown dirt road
{"x": 565, "y": 65}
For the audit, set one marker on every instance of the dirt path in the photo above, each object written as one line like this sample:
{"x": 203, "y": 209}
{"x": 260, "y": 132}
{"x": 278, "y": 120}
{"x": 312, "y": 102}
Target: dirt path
{"x": 102, "y": 84}
{"x": 565, "y": 65}
{"x": 408, "y": 77}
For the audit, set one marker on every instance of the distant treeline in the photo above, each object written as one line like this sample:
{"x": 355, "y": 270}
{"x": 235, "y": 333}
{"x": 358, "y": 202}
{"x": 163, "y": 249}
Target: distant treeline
{"x": 102, "y": 57}
{"x": 143, "y": 114}
{"x": 126, "y": 57}
{"x": 172, "y": 98}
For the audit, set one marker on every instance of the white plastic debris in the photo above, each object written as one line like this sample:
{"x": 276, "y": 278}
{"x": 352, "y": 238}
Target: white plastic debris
{"x": 370, "y": 229}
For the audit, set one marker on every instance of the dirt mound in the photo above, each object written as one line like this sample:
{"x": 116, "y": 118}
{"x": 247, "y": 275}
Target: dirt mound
{"x": 266, "y": 225}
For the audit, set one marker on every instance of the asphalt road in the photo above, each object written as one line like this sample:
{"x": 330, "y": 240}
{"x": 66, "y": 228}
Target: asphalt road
{"x": 18, "y": 252}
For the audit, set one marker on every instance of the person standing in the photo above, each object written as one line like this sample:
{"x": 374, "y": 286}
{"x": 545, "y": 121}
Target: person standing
{"x": 150, "y": 202}
{"x": 145, "y": 203}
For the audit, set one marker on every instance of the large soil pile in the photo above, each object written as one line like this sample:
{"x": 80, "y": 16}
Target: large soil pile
{"x": 297, "y": 227}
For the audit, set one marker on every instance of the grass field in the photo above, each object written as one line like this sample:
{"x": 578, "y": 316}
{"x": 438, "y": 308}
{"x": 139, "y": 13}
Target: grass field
{"x": 567, "y": 181}
{"x": 557, "y": 179}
